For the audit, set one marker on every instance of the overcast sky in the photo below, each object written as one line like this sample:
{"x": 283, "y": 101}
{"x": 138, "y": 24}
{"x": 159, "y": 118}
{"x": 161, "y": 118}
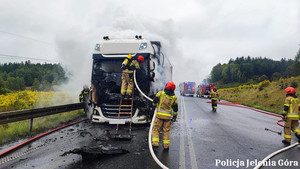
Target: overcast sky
{"x": 196, "y": 34}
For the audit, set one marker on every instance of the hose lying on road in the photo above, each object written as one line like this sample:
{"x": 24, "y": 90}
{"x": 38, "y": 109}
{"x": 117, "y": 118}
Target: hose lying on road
{"x": 278, "y": 122}
{"x": 39, "y": 136}
{"x": 151, "y": 127}
{"x": 273, "y": 154}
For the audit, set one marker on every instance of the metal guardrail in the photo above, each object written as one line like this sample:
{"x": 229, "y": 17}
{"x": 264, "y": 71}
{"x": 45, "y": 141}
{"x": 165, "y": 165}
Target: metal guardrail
{"x": 13, "y": 116}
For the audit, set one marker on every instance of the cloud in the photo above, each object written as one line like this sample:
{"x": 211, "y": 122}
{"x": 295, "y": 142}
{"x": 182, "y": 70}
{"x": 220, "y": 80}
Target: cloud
{"x": 196, "y": 34}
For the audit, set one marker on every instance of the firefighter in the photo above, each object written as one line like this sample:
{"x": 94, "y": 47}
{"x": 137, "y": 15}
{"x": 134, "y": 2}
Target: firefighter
{"x": 128, "y": 66}
{"x": 290, "y": 115}
{"x": 214, "y": 96}
{"x": 83, "y": 96}
{"x": 165, "y": 101}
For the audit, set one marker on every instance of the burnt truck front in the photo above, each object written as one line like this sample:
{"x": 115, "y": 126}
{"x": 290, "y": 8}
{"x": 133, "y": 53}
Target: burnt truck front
{"x": 106, "y": 81}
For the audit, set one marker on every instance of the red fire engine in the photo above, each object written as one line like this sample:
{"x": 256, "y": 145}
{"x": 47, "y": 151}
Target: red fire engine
{"x": 204, "y": 90}
{"x": 187, "y": 88}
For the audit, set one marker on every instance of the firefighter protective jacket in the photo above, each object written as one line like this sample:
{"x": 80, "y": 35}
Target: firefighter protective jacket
{"x": 165, "y": 105}
{"x": 214, "y": 95}
{"x": 291, "y": 107}
{"x": 130, "y": 65}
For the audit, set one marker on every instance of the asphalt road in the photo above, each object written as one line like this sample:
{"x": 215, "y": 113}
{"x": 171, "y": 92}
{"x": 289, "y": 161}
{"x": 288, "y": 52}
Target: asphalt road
{"x": 232, "y": 137}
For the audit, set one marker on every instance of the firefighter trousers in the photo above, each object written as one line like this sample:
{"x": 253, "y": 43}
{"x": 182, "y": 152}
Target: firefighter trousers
{"x": 127, "y": 83}
{"x": 291, "y": 124}
{"x": 165, "y": 125}
{"x": 214, "y": 104}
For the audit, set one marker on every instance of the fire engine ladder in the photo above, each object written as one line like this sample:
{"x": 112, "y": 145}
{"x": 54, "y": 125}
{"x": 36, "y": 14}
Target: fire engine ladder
{"x": 128, "y": 105}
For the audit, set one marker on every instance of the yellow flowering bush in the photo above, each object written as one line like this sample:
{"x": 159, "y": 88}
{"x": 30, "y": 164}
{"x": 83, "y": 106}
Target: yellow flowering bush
{"x": 32, "y": 99}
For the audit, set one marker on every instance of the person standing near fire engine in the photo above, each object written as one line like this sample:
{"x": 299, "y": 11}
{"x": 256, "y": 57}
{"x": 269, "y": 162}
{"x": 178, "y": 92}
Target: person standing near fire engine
{"x": 128, "y": 66}
{"x": 214, "y": 96}
{"x": 290, "y": 115}
{"x": 165, "y": 101}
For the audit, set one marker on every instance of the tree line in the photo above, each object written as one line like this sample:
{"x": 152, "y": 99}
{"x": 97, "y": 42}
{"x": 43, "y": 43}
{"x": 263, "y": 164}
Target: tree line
{"x": 42, "y": 77}
{"x": 247, "y": 70}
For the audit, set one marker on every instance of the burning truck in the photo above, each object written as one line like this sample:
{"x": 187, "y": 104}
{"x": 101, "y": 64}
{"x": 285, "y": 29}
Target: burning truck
{"x": 108, "y": 56}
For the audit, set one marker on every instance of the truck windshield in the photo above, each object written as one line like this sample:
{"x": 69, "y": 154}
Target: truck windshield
{"x": 105, "y": 66}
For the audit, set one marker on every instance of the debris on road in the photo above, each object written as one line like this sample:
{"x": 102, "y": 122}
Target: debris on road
{"x": 278, "y": 132}
{"x": 91, "y": 153}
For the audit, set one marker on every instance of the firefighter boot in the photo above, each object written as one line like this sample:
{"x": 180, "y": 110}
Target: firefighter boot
{"x": 166, "y": 147}
{"x": 286, "y": 142}
{"x": 298, "y": 137}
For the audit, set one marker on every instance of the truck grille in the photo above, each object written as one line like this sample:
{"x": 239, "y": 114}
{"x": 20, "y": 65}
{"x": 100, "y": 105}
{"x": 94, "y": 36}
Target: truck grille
{"x": 111, "y": 111}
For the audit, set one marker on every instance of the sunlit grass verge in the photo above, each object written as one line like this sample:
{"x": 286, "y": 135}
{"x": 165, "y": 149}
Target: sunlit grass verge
{"x": 16, "y": 130}
{"x": 266, "y": 95}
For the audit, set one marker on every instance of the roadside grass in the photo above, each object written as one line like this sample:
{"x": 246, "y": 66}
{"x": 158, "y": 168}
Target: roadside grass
{"x": 268, "y": 96}
{"x": 16, "y": 130}
{"x": 33, "y": 99}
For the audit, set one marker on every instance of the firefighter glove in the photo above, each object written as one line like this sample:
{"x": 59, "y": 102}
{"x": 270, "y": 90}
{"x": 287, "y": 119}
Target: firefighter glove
{"x": 174, "y": 118}
{"x": 283, "y": 116}
{"x": 123, "y": 66}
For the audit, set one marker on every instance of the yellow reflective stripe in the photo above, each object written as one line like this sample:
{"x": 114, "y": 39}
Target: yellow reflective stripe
{"x": 129, "y": 90}
{"x": 129, "y": 71}
{"x": 160, "y": 101}
{"x": 155, "y": 139}
{"x": 292, "y": 115}
{"x": 296, "y": 130}
{"x": 164, "y": 114}
{"x": 166, "y": 141}
{"x": 294, "y": 101}
{"x": 286, "y": 104}
{"x": 122, "y": 90}
{"x": 125, "y": 62}
{"x": 287, "y": 136}
{"x": 163, "y": 94}
{"x": 162, "y": 111}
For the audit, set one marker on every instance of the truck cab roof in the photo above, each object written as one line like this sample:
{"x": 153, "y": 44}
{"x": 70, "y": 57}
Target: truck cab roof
{"x": 123, "y": 47}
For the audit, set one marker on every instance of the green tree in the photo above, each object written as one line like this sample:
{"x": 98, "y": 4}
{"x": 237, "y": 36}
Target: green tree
{"x": 15, "y": 83}
{"x": 296, "y": 64}
{"x": 262, "y": 78}
{"x": 35, "y": 84}
{"x": 275, "y": 76}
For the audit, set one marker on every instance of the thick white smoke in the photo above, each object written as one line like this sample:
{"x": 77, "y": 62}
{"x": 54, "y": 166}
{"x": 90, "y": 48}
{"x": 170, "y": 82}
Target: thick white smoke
{"x": 75, "y": 46}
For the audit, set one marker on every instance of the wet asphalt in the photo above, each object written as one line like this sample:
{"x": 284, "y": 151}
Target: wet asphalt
{"x": 232, "y": 137}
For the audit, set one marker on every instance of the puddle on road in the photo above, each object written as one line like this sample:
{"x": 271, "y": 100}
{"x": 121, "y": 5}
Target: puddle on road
{"x": 199, "y": 121}
{"x": 91, "y": 153}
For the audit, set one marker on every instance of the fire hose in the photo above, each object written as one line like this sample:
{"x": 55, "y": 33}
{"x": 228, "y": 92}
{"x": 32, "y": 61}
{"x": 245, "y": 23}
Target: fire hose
{"x": 278, "y": 122}
{"x": 151, "y": 127}
{"x": 37, "y": 137}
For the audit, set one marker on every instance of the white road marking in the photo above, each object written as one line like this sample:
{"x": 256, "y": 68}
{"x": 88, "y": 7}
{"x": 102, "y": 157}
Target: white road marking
{"x": 190, "y": 142}
{"x": 182, "y": 135}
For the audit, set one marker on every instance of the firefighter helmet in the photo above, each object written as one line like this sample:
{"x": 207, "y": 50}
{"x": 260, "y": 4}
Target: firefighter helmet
{"x": 141, "y": 59}
{"x": 85, "y": 87}
{"x": 129, "y": 56}
{"x": 171, "y": 85}
{"x": 290, "y": 90}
